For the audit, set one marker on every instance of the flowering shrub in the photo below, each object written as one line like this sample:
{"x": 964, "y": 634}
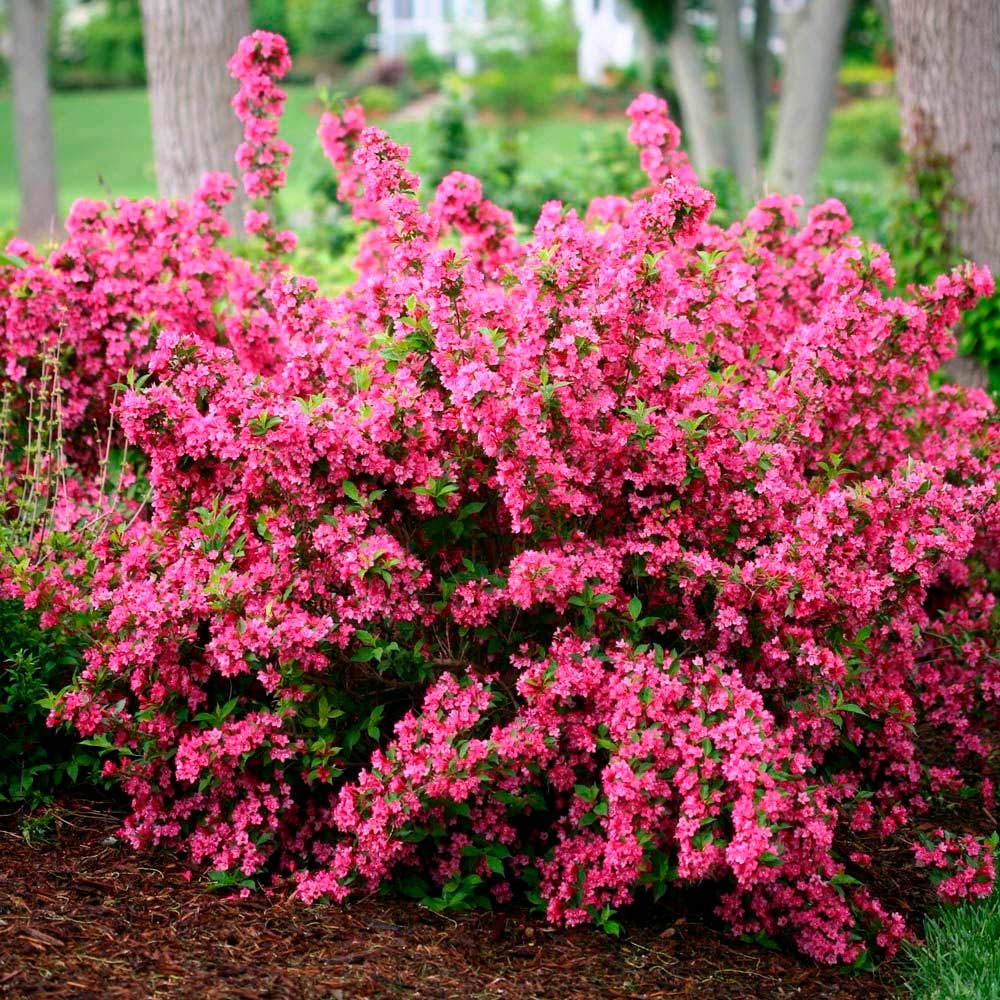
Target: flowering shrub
{"x": 635, "y": 554}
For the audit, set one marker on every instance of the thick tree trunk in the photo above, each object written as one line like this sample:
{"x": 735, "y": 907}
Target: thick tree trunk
{"x": 188, "y": 43}
{"x": 700, "y": 132}
{"x": 813, "y": 39}
{"x": 36, "y": 164}
{"x": 948, "y": 77}
{"x": 739, "y": 94}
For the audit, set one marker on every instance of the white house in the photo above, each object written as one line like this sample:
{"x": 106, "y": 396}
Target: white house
{"x": 447, "y": 26}
{"x": 609, "y": 37}
{"x": 609, "y": 31}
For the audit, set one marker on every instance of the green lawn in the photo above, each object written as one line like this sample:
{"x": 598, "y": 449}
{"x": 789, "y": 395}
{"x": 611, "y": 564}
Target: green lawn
{"x": 960, "y": 958}
{"x": 103, "y": 146}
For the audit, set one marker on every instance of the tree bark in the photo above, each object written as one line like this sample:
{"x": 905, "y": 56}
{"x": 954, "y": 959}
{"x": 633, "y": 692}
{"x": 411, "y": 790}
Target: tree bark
{"x": 646, "y": 55}
{"x": 763, "y": 63}
{"x": 188, "y": 43}
{"x": 813, "y": 36}
{"x": 36, "y": 163}
{"x": 739, "y": 93}
{"x": 700, "y": 131}
{"x": 948, "y": 78}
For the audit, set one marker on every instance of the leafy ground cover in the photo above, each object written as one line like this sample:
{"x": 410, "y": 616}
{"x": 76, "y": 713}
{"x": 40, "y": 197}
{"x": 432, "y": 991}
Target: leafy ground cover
{"x": 84, "y": 917}
{"x": 104, "y": 148}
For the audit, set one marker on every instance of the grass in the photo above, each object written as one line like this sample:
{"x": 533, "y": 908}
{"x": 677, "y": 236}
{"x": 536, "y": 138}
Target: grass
{"x": 104, "y": 149}
{"x": 960, "y": 959}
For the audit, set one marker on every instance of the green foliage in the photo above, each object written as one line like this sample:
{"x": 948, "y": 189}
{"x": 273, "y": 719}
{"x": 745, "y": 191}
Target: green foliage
{"x": 859, "y": 79}
{"x": 378, "y": 99}
{"x": 272, "y": 15}
{"x": 34, "y": 662}
{"x": 867, "y": 38}
{"x": 920, "y": 239}
{"x": 328, "y": 33}
{"x": 107, "y": 51}
{"x": 426, "y": 69}
{"x": 528, "y": 61}
{"x": 450, "y": 136}
{"x": 603, "y": 162}
{"x": 327, "y": 253}
{"x": 729, "y": 200}
{"x": 980, "y": 337}
{"x": 863, "y": 132}
{"x": 960, "y": 959}
{"x": 920, "y": 236}
{"x": 657, "y": 16}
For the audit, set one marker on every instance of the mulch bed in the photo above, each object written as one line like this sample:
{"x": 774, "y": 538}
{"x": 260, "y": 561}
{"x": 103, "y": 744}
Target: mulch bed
{"x": 83, "y": 916}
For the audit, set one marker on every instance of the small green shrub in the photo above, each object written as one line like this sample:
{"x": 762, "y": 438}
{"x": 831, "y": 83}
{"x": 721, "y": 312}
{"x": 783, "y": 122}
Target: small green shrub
{"x": 450, "y": 135}
{"x": 34, "y": 662}
{"x": 426, "y": 69}
{"x": 380, "y": 99}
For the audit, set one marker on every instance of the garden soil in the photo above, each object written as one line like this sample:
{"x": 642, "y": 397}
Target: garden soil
{"x": 83, "y": 916}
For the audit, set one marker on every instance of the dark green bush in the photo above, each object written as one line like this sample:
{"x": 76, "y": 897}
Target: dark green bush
{"x": 105, "y": 52}
{"x": 35, "y": 761}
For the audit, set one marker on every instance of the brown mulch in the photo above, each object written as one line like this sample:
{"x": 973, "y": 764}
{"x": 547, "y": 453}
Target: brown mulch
{"x": 83, "y": 916}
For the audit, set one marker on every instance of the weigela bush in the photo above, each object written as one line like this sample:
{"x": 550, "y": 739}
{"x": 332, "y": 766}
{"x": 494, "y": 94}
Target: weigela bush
{"x": 630, "y": 555}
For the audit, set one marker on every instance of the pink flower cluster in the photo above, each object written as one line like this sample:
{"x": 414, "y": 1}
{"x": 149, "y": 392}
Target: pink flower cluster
{"x": 258, "y": 63}
{"x": 129, "y": 271}
{"x": 629, "y": 554}
{"x": 961, "y": 867}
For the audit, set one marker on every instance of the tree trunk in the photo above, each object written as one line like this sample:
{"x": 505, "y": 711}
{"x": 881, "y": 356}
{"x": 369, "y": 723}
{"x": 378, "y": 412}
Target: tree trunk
{"x": 188, "y": 43}
{"x": 36, "y": 163}
{"x": 739, "y": 94}
{"x": 763, "y": 63}
{"x": 700, "y": 131}
{"x": 646, "y": 55}
{"x": 948, "y": 78}
{"x": 813, "y": 39}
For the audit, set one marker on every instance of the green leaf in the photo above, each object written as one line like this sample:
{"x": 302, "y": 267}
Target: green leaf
{"x": 842, "y": 878}
{"x": 849, "y": 706}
